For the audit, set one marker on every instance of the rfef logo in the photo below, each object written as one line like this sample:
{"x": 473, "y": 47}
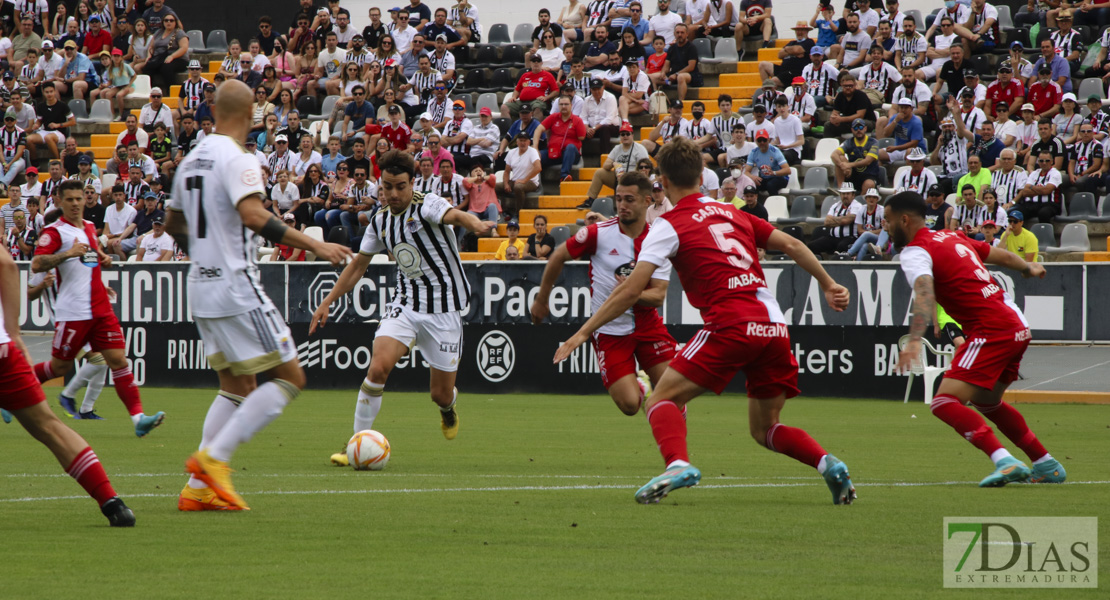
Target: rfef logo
{"x": 496, "y": 356}
{"x": 1021, "y": 552}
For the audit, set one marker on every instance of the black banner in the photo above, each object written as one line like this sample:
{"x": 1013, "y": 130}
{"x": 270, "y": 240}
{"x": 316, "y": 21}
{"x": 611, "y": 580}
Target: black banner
{"x": 840, "y": 354}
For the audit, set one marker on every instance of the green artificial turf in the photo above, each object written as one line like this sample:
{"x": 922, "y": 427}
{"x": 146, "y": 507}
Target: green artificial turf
{"x": 533, "y": 500}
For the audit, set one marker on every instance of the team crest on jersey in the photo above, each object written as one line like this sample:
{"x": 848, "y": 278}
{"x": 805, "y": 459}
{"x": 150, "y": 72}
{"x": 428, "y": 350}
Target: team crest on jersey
{"x": 45, "y": 239}
{"x": 622, "y": 272}
{"x": 250, "y": 177}
{"x": 581, "y": 236}
{"x": 412, "y": 225}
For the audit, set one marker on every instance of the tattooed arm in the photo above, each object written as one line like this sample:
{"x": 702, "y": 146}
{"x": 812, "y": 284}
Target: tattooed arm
{"x": 923, "y": 312}
{"x": 46, "y": 262}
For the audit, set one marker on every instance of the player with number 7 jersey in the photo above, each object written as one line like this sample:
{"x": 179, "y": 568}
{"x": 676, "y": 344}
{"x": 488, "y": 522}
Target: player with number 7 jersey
{"x": 713, "y": 248}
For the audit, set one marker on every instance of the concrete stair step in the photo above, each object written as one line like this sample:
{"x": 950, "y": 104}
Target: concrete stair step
{"x": 526, "y": 230}
{"x": 103, "y": 139}
{"x": 741, "y": 95}
{"x": 481, "y": 255}
{"x": 576, "y": 188}
{"x": 740, "y": 79}
{"x": 555, "y": 217}
{"x": 555, "y": 202}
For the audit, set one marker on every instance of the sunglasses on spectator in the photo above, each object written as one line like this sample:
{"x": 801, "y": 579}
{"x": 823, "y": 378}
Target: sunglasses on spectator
{"x": 645, "y": 167}
{"x": 624, "y": 133}
{"x": 156, "y": 95}
{"x": 433, "y": 142}
{"x": 1043, "y": 161}
{"x": 440, "y": 88}
{"x": 856, "y": 127}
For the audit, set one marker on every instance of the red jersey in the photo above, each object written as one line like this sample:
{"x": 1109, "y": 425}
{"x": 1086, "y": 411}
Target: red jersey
{"x": 963, "y": 286}
{"x": 561, "y": 134}
{"x": 612, "y": 257}
{"x": 398, "y": 136}
{"x": 714, "y": 248}
{"x": 1044, "y": 96}
{"x": 81, "y": 295}
{"x": 98, "y": 42}
{"x": 655, "y": 62}
{"x": 996, "y": 91}
{"x": 533, "y": 86}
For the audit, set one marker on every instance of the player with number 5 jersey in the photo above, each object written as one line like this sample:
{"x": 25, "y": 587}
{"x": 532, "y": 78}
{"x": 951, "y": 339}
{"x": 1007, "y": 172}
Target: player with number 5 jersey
{"x": 713, "y": 248}
{"x": 425, "y": 310}
{"x": 215, "y": 213}
{"x": 82, "y": 310}
{"x": 947, "y": 268}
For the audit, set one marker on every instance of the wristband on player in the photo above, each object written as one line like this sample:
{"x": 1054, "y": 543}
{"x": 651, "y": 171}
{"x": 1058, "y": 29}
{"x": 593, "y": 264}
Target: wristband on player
{"x": 274, "y": 230}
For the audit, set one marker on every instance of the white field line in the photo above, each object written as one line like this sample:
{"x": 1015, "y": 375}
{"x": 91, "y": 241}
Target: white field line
{"x": 524, "y": 488}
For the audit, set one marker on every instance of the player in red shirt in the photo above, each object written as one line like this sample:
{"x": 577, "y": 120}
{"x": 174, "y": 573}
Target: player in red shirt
{"x": 638, "y": 335}
{"x": 713, "y": 247}
{"x": 946, "y": 268}
{"x": 82, "y": 311}
{"x": 21, "y": 394}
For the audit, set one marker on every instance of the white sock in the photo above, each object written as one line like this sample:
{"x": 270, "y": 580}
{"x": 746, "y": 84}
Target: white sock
{"x": 678, "y": 463}
{"x": 136, "y": 417}
{"x": 823, "y": 464}
{"x": 96, "y": 385}
{"x": 369, "y": 404}
{"x": 1000, "y": 454}
{"x": 258, "y": 410}
{"x": 1044, "y": 459}
{"x": 454, "y": 397}
{"x": 80, "y": 378}
{"x": 223, "y": 407}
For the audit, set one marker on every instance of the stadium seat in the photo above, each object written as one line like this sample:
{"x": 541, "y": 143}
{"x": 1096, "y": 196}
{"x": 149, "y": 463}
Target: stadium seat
{"x": 108, "y": 180}
{"x": 522, "y": 33}
{"x": 502, "y": 123}
{"x": 380, "y": 259}
{"x": 1005, "y": 18}
{"x": 826, "y": 206}
{"x": 1091, "y": 86}
{"x": 923, "y": 368}
{"x": 196, "y": 40}
{"x": 724, "y": 51}
{"x": 79, "y": 109}
{"x": 794, "y": 231}
{"x": 502, "y": 79}
{"x": 489, "y": 100}
{"x": 816, "y": 182}
{"x": 1101, "y": 210}
{"x": 1080, "y": 207}
{"x": 1072, "y": 239}
{"x": 511, "y": 56}
{"x": 140, "y": 88}
{"x": 101, "y": 112}
{"x": 916, "y": 14}
{"x": 485, "y": 56}
{"x": 803, "y": 208}
{"x": 474, "y": 80}
{"x": 306, "y": 106}
{"x": 886, "y": 191}
{"x": 320, "y": 132}
{"x": 776, "y": 208}
{"x": 822, "y": 156}
{"x": 339, "y": 235}
{"x": 937, "y": 170}
{"x": 499, "y": 34}
{"x": 317, "y": 233}
{"x": 561, "y": 234}
{"x": 325, "y": 110}
{"x": 1044, "y": 234}
{"x": 982, "y": 64}
{"x": 604, "y": 206}
{"x": 217, "y": 41}
{"x": 702, "y": 45}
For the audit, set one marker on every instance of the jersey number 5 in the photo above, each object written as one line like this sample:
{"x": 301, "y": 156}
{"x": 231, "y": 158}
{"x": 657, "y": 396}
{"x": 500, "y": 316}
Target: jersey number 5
{"x": 738, "y": 255}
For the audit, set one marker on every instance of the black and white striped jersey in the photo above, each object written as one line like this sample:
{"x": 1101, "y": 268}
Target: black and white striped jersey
{"x": 423, "y": 85}
{"x": 724, "y": 128}
{"x": 1007, "y": 185}
{"x": 452, "y": 190}
{"x": 11, "y": 140}
{"x": 423, "y": 185}
{"x": 431, "y": 278}
{"x": 192, "y": 94}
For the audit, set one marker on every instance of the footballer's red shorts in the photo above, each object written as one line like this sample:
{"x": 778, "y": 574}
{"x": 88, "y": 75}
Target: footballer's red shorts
{"x": 617, "y": 355}
{"x": 19, "y": 388}
{"x": 987, "y": 359}
{"x": 102, "y": 333}
{"x": 761, "y": 350}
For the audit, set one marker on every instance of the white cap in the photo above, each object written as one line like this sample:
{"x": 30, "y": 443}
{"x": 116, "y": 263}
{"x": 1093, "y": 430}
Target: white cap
{"x": 872, "y": 192}
{"x": 155, "y": 90}
{"x": 194, "y": 64}
{"x": 1028, "y": 106}
{"x": 1069, "y": 96}
{"x": 905, "y": 102}
{"x": 426, "y": 115}
{"x": 847, "y": 188}
{"x": 916, "y": 154}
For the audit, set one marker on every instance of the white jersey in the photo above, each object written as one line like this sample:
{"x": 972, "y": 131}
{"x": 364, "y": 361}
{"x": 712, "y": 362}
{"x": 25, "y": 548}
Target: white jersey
{"x": 430, "y": 277}
{"x": 80, "y": 291}
{"x": 612, "y": 257}
{"x": 207, "y": 189}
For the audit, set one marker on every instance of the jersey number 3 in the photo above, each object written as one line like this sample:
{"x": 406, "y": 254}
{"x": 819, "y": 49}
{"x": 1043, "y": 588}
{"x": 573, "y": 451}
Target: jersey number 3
{"x": 737, "y": 254}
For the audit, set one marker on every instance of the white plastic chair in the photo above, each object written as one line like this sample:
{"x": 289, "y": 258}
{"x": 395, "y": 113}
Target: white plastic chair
{"x": 101, "y": 112}
{"x": 822, "y": 156}
{"x": 320, "y": 132}
{"x": 142, "y": 88}
{"x": 108, "y": 180}
{"x": 776, "y": 208}
{"x": 922, "y": 367}
{"x": 317, "y": 233}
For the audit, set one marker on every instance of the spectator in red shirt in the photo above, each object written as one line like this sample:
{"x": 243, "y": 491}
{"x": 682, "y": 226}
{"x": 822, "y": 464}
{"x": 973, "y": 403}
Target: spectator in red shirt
{"x": 536, "y": 87}
{"x": 564, "y": 142}
{"x": 1045, "y": 95}
{"x": 288, "y": 253}
{"x": 96, "y": 39}
{"x": 396, "y": 131}
{"x": 1006, "y": 89}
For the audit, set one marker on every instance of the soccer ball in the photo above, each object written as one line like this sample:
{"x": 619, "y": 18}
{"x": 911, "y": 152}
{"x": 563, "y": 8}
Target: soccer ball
{"x": 368, "y": 450}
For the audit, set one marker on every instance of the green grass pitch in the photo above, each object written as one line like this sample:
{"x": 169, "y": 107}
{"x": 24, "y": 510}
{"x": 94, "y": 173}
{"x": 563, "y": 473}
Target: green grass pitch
{"x": 533, "y": 500}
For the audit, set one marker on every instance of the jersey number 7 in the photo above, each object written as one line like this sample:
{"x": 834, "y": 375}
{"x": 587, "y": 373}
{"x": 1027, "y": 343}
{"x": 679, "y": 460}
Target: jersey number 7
{"x": 730, "y": 246}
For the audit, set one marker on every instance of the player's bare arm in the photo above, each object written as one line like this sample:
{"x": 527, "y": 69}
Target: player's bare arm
{"x": 35, "y": 292}
{"x": 346, "y": 282}
{"x": 1005, "y": 258}
{"x": 47, "y": 262}
{"x": 836, "y": 295}
{"x": 921, "y": 314}
{"x": 654, "y": 294}
{"x": 623, "y": 297}
{"x": 551, "y": 272}
{"x": 10, "y": 294}
{"x": 264, "y": 223}
{"x": 472, "y": 223}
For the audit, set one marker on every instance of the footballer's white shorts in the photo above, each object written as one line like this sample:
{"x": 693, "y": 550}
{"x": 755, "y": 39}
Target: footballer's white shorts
{"x": 439, "y": 337}
{"x": 248, "y": 343}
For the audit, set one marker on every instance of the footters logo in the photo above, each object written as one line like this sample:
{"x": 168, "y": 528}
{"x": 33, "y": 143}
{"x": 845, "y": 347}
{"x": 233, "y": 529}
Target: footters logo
{"x": 496, "y": 356}
{"x": 1021, "y": 552}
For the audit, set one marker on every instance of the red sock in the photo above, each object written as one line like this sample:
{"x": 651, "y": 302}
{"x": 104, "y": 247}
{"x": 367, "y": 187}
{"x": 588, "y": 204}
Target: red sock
{"x": 966, "y": 422}
{"x": 669, "y": 428}
{"x": 795, "y": 443}
{"x": 88, "y": 472}
{"x": 127, "y": 391}
{"x": 43, "y": 372}
{"x": 1012, "y": 425}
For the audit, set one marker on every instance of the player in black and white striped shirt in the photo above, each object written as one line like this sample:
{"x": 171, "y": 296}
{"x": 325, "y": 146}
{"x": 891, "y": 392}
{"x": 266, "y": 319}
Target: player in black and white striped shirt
{"x": 426, "y": 307}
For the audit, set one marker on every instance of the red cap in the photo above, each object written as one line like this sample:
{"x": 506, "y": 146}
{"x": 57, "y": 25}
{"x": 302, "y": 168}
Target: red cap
{"x": 989, "y": 222}
{"x": 117, "y": 52}
{"x": 485, "y": 111}
{"x": 762, "y": 133}
{"x": 798, "y": 81}
{"x": 626, "y": 127}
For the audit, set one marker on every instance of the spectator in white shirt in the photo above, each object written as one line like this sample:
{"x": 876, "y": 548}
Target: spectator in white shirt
{"x": 788, "y": 130}
{"x": 600, "y": 114}
{"x": 156, "y": 246}
{"x": 483, "y": 140}
{"x": 155, "y": 112}
{"x": 118, "y": 222}
{"x": 521, "y": 176}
